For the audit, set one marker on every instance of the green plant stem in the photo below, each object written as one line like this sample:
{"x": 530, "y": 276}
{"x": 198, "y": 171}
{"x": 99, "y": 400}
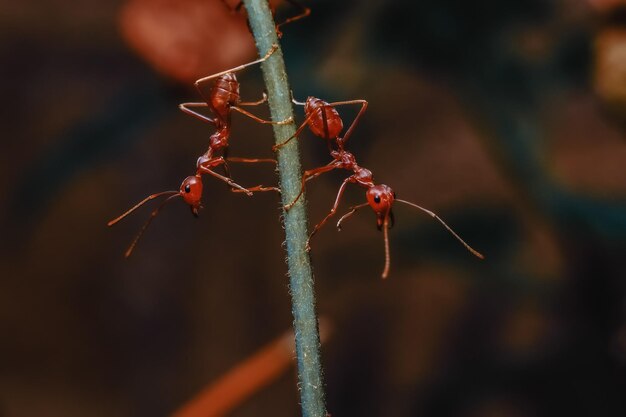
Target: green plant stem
{"x": 301, "y": 276}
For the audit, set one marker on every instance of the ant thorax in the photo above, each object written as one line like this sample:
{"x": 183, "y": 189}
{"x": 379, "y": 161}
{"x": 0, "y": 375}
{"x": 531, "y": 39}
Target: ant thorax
{"x": 364, "y": 176}
{"x": 345, "y": 158}
{"x": 208, "y": 161}
{"x": 219, "y": 139}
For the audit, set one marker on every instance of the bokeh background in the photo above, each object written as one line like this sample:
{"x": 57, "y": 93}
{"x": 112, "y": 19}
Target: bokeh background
{"x": 505, "y": 117}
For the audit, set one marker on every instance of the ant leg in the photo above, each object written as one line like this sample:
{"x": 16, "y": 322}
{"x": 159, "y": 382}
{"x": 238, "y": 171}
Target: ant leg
{"x": 349, "y": 214}
{"x": 332, "y": 210}
{"x": 227, "y": 173}
{"x": 294, "y": 101}
{"x": 251, "y": 160}
{"x": 235, "y": 69}
{"x": 253, "y": 103}
{"x": 258, "y": 188}
{"x": 309, "y": 175}
{"x": 295, "y": 135}
{"x": 305, "y": 11}
{"x": 363, "y": 104}
{"x": 185, "y": 107}
{"x": 225, "y": 164}
{"x": 227, "y": 180}
{"x": 258, "y": 119}
{"x": 256, "y": 103}
{"x": 325, "y": 122}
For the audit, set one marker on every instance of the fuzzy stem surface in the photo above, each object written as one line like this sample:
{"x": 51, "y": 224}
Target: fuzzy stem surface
{"x": 305, "y": 325}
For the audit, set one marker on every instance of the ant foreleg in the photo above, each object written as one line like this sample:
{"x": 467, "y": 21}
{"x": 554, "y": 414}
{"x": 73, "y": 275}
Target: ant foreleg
{"x": 349, "y": 214}
{"x": 251, "y": 160}
{"x": 252, "y": 116}
{"x": 185, "y": 107}
{"x": 204, "y": 170}
{"x": 309, "y": 175}
{"x": 254, "y": 103}
{"x": 248, "y": 161}
{"x": 297, "y": 134}
{"x": 332, "y": 210}
{"x": 258, "y": 119}
{"x": 227, "y": 172}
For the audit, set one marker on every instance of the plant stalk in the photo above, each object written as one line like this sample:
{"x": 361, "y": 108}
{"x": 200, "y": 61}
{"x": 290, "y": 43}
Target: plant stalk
{"x": 305, "y": 324}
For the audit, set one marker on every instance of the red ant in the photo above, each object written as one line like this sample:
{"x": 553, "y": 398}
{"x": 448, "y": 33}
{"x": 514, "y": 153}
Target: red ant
{"x": 224, "y": 98}
{"x": 379, "y": 197}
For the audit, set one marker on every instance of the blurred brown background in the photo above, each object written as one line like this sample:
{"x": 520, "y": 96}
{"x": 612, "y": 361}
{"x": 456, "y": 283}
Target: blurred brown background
{"x": 505, "y": 117}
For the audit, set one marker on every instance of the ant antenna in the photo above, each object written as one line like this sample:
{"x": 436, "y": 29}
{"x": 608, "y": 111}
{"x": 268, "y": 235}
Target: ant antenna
{"x": 147, "y": 223}
{"x": 141, "y": 203}
{"x": 433, "y": 215}
{"x": 387, "y": 256}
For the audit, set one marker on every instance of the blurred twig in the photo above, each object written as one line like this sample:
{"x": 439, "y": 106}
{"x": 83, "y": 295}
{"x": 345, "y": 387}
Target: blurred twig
{"x": 248, "y": 377}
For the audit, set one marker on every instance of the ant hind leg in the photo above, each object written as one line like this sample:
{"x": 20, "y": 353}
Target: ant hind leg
{"x": 258, "y": 119}
{"x": 304, "y": 12}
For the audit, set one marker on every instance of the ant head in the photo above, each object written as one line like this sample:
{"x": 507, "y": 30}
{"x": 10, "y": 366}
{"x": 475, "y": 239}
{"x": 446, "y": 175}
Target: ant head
{"x": 191, "y": 192}
{"x": 380, "y": 198}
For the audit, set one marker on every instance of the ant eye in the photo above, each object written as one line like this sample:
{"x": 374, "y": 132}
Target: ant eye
{"x": 187, "y": 188}
{"x": 377, "y": 198}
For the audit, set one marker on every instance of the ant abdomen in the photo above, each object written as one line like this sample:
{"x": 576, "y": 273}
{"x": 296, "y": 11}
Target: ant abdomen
{"x": 225, "y": 93}
{"x": 333, "y": 125}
